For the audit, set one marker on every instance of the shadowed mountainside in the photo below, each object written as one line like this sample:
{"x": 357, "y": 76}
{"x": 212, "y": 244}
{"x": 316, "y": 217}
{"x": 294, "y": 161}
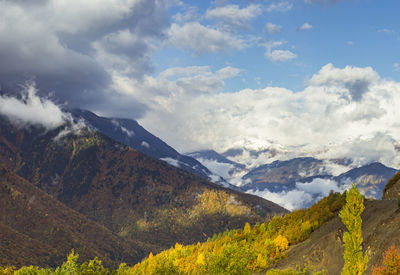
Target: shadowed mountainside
{"x": 37, "y": 229}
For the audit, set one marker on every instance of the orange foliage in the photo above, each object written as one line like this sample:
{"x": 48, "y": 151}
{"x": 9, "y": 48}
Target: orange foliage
{"x": 391, "y": 263}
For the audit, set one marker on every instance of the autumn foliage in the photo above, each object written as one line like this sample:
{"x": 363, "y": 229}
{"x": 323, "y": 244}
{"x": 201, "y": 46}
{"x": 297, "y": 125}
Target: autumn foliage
{"x": 390, "y": 264}
{"x": 245, "y": 251}
{"x": 355, "y": 263}
{"x": 242, "y": 251}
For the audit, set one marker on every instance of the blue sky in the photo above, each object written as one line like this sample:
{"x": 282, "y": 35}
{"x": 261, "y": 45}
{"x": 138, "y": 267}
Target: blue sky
{"x": 307, "y": 77}
{"x": 358, "y": 33}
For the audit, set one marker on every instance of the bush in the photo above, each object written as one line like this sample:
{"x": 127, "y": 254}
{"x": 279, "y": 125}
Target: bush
{"x": 391, "y": 262}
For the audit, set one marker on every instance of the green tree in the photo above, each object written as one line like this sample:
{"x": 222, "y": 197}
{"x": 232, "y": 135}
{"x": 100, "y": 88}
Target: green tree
{"x": 355, "y": 263}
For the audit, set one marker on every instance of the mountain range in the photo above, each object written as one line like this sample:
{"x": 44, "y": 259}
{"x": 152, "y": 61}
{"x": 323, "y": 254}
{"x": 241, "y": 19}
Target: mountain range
{"x": 254, "y": 176}
{"x": 305, "y": 174}
{"x": 78, "y": 181}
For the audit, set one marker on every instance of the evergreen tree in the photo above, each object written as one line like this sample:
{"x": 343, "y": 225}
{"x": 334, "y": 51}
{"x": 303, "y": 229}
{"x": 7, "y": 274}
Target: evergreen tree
{"x": 355, "y": 263}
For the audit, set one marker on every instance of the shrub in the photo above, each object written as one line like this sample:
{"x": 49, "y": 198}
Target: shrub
{"x": 390, "y": 264}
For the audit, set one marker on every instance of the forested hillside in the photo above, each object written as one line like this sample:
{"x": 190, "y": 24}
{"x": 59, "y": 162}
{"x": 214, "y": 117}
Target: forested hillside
{"x": 148, "y": 203}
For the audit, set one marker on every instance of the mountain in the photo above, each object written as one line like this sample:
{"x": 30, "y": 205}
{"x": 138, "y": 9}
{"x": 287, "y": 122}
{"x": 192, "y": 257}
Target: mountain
{"x": 282, "y": 175}
{"x": 297, "y": 182}
{"x": 370, "y": 179}
{"x": 254, "y": 153}
{"x": 135, "y": 196}
{"x": 37, "y": 229}
{"x": 287, "y": 175}
{"x": 130, "y": 133}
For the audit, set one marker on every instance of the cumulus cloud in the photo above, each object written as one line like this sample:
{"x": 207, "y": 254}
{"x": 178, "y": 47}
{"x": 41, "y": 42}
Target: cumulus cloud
{"x": 32, "y": 110}
{"x": 273, "y": 28}
{"x": 203, "y": 39}
{"x": 324, "y": 120}
{"x": 232, "y": 17}
{"x": 304, "y": 27}
{"x": 278, "y": 55}
{"x": 356, "y": 80}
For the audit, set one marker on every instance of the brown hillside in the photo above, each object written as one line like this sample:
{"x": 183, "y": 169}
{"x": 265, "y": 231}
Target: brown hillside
{"x": 37, "y": 229}
{"x": 324, "y": 249}
{"x": 392, "y": 188}
{"x": 133, "y": 195}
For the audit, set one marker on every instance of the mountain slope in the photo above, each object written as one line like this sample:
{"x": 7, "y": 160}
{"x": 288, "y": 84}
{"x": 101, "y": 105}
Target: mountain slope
{"x": 392, "y": 188}
{"x": 282, "y": 175}
{"x": 370, "y": 179}
{"x": 133, "y": 195}
{"x": 130, "y": 133}
{"x": 324, "y": 249}
{"x": 37, "y": 229}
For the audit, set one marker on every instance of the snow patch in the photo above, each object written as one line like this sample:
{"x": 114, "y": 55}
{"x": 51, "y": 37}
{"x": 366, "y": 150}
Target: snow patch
{"x": 127, "y": 132}
{"x": 145, "y": 144}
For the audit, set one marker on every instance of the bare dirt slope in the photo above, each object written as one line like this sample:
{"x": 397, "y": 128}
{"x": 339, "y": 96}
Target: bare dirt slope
{"x": 324, "y": 249}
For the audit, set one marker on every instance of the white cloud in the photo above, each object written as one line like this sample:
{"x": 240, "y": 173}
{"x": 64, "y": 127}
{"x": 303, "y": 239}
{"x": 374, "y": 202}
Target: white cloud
{"x": 218, "y": 168}
{"x": 191, "y": 112}
{"x": 278, "y": 55}
{"x": 172, "y": 162}
{"x": 203, "y": 39}
{"x": 232, "y": 17}
{"x": 280, "y": 6}
{"x": 396, "y": 67}
{"x": 387, "y": 31}
{"x": 290, "y": 200}
{"x": 303, "y": 194}
{"x": 273, "y": 28}
{"x": 32, "y": 110}
{"x": 304, "y": 27}
{"x": 356, "y": 80}
{"x": 188, "y": 15}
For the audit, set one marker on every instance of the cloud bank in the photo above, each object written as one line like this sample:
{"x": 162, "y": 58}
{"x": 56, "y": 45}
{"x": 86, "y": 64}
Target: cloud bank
{"x": 342, "y": 112}
{"x": 303, "y": 195}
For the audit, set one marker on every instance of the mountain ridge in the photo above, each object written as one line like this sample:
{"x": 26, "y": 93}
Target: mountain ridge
{"x": 133, "y": 195}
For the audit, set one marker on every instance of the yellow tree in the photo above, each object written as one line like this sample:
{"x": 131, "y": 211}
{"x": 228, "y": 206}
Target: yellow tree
{"x": 355, "y": 263}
